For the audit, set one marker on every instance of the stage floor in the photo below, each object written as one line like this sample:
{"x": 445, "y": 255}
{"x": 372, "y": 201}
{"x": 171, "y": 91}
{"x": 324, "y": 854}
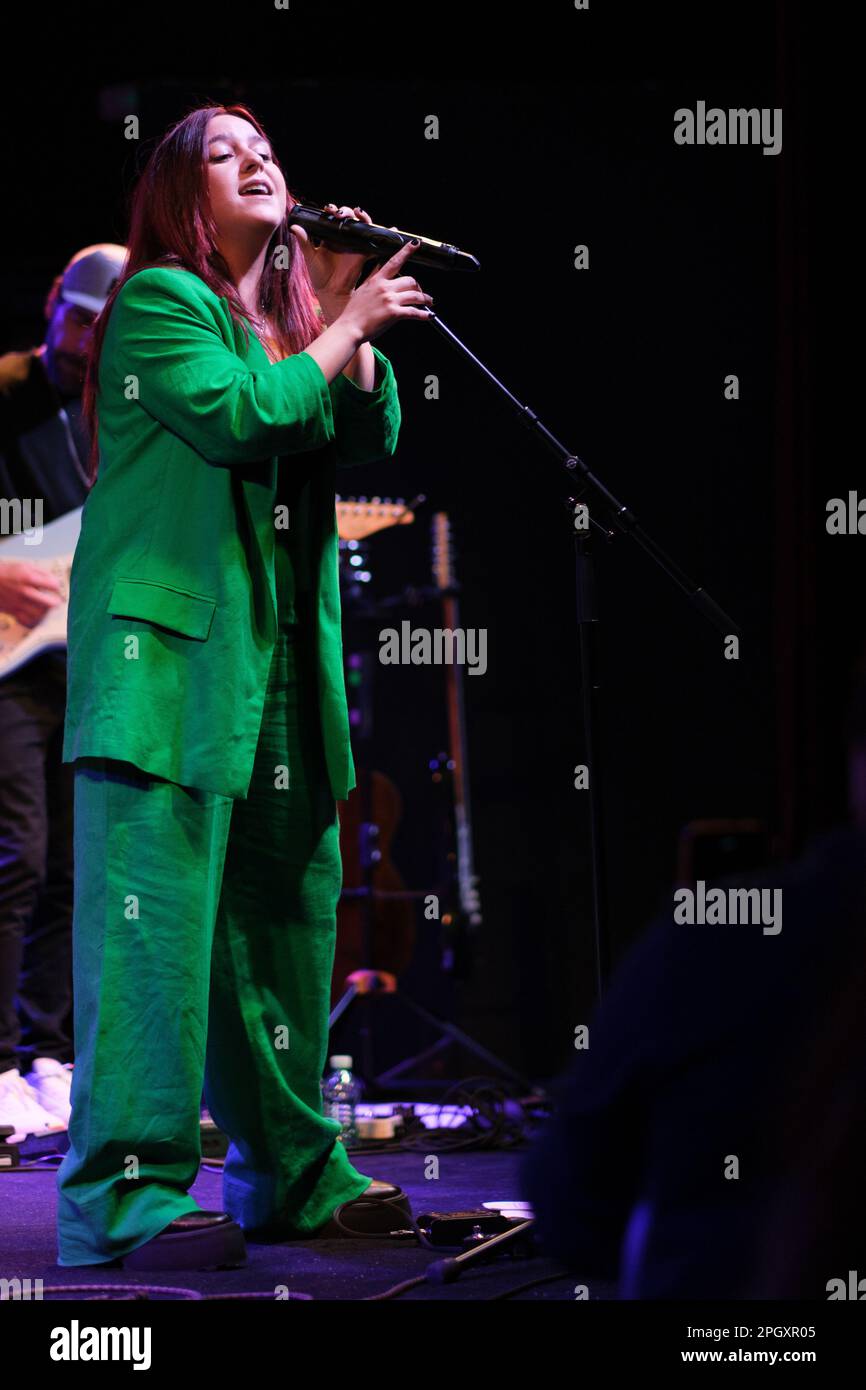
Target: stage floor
{"x": 326, "y": 1269}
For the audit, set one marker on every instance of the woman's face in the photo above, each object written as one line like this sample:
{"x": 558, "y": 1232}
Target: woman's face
{"x": 238, "y": 157}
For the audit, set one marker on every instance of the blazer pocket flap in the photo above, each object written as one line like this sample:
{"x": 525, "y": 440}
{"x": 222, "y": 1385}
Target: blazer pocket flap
{"x": 189, "y": 614}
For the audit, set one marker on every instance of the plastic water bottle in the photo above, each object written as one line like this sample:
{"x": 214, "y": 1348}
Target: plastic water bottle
{"x": 341, "y": 1092}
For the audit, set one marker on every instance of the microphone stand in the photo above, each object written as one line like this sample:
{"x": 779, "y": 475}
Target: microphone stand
{"x": 611, "y": 517}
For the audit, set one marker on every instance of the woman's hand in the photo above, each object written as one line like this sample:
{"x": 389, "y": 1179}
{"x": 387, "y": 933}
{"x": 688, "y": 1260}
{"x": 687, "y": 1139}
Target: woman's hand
{"x": 380, "y": 301}
{"x": 356, "y": 314}
{"x": 334, "y": 271}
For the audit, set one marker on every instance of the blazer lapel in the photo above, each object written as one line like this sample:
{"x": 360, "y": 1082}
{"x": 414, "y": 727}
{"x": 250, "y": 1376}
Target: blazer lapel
{"x": 259, "y": 481}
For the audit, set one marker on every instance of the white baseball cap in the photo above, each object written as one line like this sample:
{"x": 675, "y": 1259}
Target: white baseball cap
{"x": 92, "y": 274}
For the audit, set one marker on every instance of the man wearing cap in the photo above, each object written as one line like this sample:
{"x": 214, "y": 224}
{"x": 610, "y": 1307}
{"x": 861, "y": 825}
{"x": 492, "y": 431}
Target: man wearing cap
{"x": 43, "y": 460}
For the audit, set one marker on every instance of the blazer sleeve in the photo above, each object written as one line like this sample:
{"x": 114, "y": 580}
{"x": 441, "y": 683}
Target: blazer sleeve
{"x": 162, "y": 332}
{"x": 367, "y": 423}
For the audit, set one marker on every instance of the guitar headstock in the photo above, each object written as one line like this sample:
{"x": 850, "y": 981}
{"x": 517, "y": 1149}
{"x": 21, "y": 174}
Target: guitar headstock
{"x": 358, "y": 517}
{"x": 443, "y": 552}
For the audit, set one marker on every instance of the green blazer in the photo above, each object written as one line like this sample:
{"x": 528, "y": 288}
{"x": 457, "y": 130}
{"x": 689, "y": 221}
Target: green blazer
{"x": 177, "y": 540}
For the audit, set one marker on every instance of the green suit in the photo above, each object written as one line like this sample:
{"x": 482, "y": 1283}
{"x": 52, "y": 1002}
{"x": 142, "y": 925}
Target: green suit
{"x": 178, "y": 535}
{"x": 205, "y": 663}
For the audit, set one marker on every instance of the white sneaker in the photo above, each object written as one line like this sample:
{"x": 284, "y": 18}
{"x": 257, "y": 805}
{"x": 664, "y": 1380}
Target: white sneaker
{"x": 20, "y": 1108}
{"x": 52, "y": 1082}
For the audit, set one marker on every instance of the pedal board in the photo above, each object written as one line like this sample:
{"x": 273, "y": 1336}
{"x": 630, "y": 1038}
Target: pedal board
{"x": 466, "y": 1228}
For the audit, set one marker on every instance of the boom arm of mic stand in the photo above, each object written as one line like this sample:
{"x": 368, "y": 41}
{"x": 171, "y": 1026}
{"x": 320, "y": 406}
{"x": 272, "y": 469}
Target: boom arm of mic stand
{"x": 615, "y": 517}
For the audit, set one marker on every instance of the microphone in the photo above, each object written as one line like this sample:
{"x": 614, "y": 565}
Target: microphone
{"x": 351, "y": 234}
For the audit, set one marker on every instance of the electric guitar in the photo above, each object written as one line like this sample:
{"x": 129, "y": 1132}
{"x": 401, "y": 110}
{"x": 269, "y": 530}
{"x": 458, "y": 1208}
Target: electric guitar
{"x": 456, "y": 763}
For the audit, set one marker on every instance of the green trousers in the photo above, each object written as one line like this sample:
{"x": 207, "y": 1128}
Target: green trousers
{"x": 203, "y": 944}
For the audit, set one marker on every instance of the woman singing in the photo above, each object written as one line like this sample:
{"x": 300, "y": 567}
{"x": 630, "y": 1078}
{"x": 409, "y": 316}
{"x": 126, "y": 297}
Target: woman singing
{"x": 206, "y": 711}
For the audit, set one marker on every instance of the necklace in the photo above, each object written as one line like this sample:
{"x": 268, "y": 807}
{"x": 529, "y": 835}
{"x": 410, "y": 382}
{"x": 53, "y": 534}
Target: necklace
{"x": 263, "y": 333}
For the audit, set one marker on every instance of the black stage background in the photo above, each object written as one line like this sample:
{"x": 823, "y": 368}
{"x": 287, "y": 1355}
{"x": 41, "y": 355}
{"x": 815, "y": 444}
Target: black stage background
{"x": 697, "y": 270}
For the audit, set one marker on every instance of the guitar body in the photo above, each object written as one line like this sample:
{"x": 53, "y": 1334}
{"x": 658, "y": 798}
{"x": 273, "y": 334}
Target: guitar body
{"x": 377, "y": 800}
{"x": 54, "y": 552}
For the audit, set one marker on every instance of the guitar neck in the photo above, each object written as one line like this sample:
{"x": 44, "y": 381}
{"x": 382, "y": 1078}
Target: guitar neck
{"x": 454, "y": 685}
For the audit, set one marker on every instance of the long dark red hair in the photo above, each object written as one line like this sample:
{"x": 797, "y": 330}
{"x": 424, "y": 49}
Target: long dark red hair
{"x": 170, "y": 224}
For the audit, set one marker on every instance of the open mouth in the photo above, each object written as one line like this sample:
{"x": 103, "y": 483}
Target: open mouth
{"x": 256, "y": 190}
